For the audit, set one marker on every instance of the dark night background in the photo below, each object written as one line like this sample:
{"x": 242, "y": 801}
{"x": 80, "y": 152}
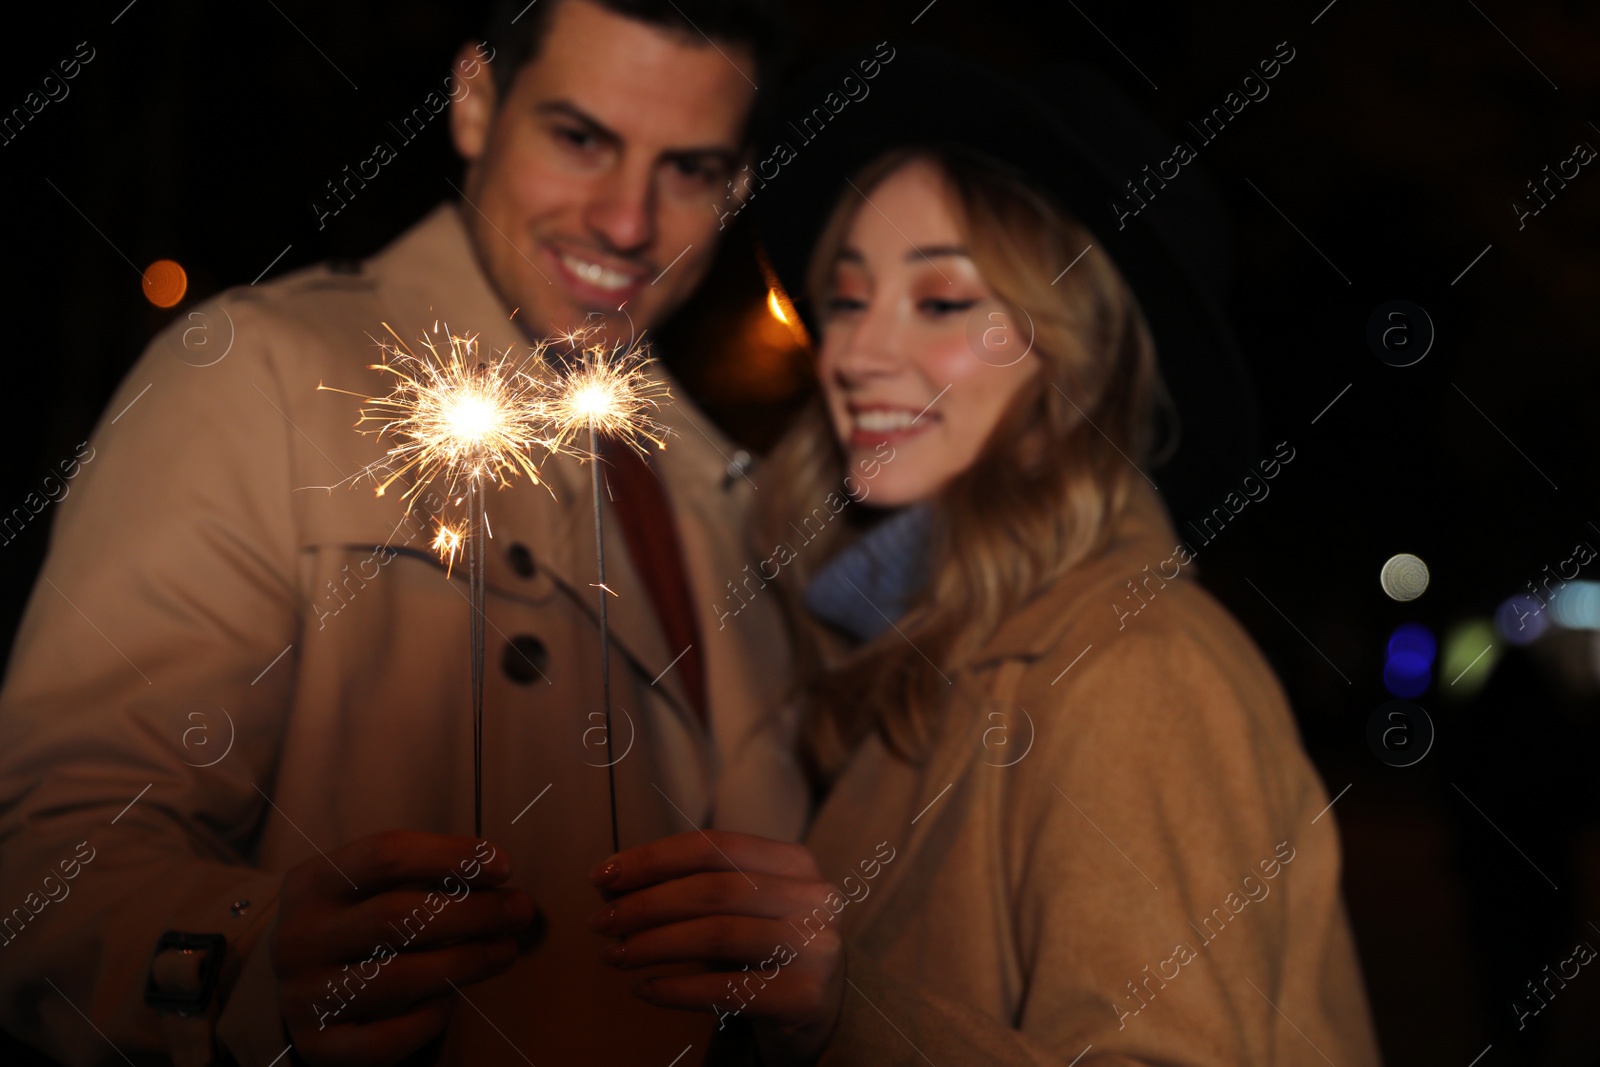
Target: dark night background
{"x": 1396, "y": 142}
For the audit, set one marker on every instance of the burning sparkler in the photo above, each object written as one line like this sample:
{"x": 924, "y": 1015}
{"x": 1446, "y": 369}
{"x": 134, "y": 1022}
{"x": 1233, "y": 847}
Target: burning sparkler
{"x": 606, "y": 390}
{"x": 458, "y": 417}
{"x": 472, "y": 424}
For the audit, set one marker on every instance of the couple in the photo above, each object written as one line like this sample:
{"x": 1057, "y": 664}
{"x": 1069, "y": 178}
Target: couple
{"x": 920, "y": 801}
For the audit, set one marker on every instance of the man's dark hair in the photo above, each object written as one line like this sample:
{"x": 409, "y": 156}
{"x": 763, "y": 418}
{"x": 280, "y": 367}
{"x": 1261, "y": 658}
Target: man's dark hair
{"x": 517, "y": 28}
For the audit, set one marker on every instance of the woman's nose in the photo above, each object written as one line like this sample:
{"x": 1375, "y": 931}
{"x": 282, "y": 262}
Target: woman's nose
{"x": 871, "y": 345}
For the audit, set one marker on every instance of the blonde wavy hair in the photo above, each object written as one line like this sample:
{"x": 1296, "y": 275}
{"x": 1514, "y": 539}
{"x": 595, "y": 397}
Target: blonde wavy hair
{"x": 1041, "y": 497}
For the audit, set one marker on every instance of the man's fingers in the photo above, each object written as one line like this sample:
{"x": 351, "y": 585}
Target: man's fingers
{"x": 417, "y": 918}
{"x": 697, "y": 895}
{"x": 703, "y": 850}
{"x": 403, "y": 920}
{"x": 393, "y": 986}
{"x": 383, "y": 861}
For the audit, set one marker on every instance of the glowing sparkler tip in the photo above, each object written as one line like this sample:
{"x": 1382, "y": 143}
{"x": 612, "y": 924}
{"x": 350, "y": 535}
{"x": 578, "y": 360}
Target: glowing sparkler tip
{"x": 458, "y": 418}
{"x": 463, "y": 423}
{"x": 609, "y": 391}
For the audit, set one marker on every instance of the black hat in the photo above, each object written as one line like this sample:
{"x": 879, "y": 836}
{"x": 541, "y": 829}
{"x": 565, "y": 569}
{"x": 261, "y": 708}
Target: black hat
{"x": 1077, "y": 137}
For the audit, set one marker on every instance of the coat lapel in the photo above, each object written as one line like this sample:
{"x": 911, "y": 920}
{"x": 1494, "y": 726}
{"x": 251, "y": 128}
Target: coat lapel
{"x": 868, "y": 804}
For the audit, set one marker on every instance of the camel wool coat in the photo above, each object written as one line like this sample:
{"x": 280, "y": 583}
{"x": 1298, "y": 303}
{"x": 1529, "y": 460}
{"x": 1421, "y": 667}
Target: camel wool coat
{"x": 228, "y": 668}
{"x": 1117, "y": 852}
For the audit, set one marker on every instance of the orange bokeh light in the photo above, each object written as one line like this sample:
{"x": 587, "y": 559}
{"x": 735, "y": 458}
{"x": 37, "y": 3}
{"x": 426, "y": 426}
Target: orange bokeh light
{"x": 165, "y": 283}
{"x": 775, "y": 305}
{"x": 782, "y": 309}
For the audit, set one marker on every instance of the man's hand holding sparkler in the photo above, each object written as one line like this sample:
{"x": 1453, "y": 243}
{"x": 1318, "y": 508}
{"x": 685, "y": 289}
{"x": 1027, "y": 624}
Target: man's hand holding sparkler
{"x": 372, "y": 941}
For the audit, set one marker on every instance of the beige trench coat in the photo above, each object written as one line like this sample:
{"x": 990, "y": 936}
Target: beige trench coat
{"x": 219, "y": 676}
{"x": 1118, "y": 850}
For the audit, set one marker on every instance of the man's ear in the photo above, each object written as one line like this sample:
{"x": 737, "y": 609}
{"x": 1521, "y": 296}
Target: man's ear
{"x": 472, "y": 105}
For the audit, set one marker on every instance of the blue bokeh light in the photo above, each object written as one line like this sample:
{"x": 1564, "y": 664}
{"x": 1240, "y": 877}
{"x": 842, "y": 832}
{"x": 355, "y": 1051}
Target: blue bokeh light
{"x": 1521, "y": 620}
{"x": 1408, "y": 660}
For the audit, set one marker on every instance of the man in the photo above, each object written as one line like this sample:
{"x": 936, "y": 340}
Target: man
{"x": 236, "y": 761}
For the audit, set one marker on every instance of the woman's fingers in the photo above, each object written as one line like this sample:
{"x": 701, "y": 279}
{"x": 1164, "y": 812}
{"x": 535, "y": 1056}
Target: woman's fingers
{"x": 385, "y": 1041}
{"x": 719, "y": 897}
{"x": 704, "y": 850}
{"x": 794, "y": 993}
{"x": 715, "y": 893}
{"x": 786, "y": 1000}
{"x": 735, "y": 939}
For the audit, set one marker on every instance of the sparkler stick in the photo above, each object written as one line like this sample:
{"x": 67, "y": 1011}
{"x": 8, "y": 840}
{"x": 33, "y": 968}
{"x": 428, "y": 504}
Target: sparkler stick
{"x": 608, "y": 392}
{"x": 468, "y": 423}
{"x": 477, "y": 557}
{"x": 605, "y": 631}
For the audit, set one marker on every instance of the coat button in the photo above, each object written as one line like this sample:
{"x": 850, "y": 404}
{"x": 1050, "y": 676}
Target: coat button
{"x": 521, "y": 560}
{"x": 524, "y": 659}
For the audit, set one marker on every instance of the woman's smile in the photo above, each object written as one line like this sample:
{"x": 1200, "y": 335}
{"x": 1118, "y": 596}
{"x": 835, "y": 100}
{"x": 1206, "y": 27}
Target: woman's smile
{"x": 873, "y": 424}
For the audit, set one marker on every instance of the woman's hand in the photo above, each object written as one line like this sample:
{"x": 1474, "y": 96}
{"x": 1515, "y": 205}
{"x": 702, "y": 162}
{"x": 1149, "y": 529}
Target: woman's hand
{"x": 738, "y": 902}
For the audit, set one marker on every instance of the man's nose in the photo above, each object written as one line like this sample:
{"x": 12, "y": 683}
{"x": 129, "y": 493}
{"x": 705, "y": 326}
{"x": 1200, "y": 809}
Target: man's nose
{"x": 622, "y": 211}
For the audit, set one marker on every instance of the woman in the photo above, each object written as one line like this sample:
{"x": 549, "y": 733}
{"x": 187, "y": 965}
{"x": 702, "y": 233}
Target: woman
{"x": 1049, "y": 831}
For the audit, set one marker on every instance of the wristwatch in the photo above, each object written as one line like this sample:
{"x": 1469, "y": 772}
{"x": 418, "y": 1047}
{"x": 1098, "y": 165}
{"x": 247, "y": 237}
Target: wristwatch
{"x": 181, "y": 985}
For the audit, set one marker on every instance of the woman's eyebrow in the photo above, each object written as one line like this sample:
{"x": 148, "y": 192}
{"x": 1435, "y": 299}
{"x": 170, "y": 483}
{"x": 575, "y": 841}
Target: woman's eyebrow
{"x": 937, "y": 250}
{"x": 851, "y": 255}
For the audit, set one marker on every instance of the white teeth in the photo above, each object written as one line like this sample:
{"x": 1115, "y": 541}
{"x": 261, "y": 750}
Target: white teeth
{"x": 596, "y": 275}
{"x": 880, "y": 420}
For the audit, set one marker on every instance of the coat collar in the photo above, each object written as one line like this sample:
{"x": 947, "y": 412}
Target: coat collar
{"x": 432, "y": 273}
{"x": 876, "y": 781}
